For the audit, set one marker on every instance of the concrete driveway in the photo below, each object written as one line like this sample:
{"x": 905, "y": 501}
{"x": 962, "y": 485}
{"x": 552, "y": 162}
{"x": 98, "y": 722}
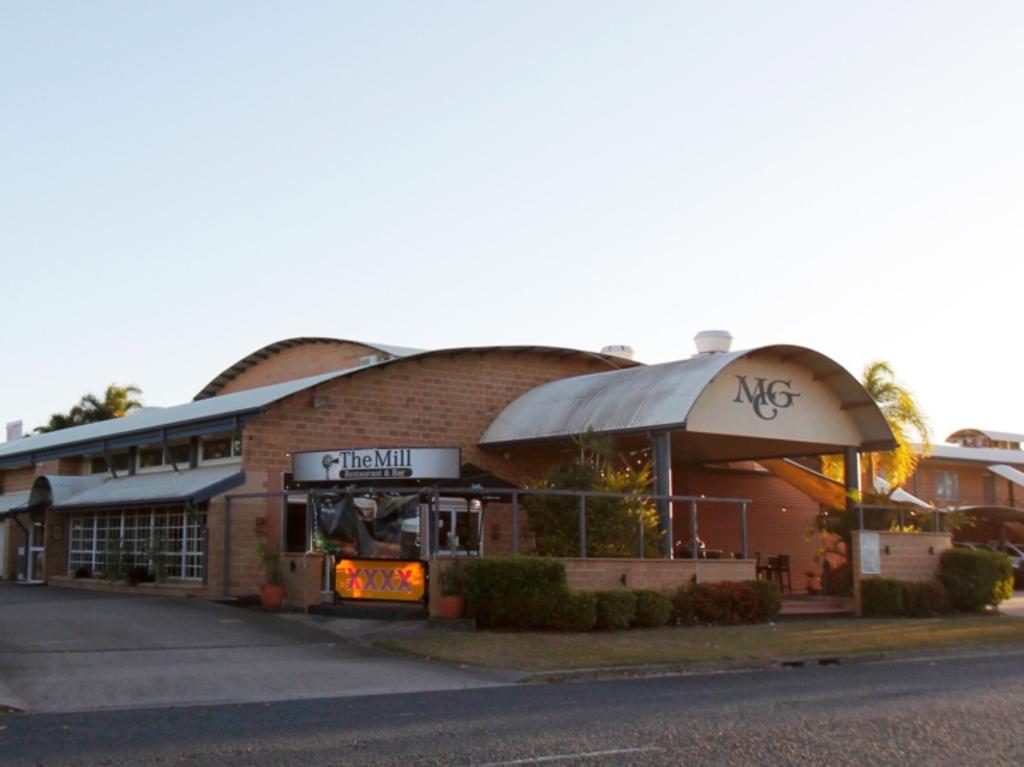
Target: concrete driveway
{"x": 1014, "y": 605}
{"x": 66, "y": 650}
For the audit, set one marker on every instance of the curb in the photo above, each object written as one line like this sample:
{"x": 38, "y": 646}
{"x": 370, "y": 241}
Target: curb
{"x": 687, "y": 669}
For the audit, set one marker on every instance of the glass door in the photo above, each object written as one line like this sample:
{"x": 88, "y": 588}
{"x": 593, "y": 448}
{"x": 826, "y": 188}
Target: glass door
{"x": 459, "y": 527}
{"x": 36, "y": 549}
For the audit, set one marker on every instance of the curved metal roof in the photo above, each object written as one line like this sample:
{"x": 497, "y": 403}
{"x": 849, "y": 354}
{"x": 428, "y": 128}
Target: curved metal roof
{"x": 211, "y": 389}
{"x": 661, "y": 397}
{"x": 221, "y": 413}
{"x": 995, "y": 436}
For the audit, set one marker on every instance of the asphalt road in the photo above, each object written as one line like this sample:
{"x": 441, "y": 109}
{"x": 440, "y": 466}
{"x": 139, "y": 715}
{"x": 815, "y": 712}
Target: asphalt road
{"x": 944, "y": 712}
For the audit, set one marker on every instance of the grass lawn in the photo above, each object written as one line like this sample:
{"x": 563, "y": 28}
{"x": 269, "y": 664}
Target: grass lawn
{"x": 549, "y": 651}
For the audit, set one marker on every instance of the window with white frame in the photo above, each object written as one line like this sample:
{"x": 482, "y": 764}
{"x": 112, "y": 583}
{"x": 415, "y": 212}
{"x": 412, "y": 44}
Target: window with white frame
{"x": 223, "y": 448}
{"x": 947, "y": 486}
{"x": 95, "y": 537}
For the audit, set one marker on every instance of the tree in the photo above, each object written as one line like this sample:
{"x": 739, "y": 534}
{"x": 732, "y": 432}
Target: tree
{"x": 613, "y": 524}
{"x": 908, "y": 424}
{"x": 117, "y": 402}
{"x": 907, "y": 421}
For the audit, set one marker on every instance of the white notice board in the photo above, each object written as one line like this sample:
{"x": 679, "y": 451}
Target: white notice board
{"x": 870, "y": 554}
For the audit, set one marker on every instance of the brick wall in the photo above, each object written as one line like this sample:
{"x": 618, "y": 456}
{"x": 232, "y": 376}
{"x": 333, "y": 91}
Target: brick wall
{"x": 17, "y": 480}
{"x": 778, "y": 518}
{"x": 439, "y": 401}
{"x": 971, "y": 478}
{"x": 303, "y": 579}
{"x": 910, "y": 557}
{"x": 662, "y": 574}
{"x": 299, "y": 362}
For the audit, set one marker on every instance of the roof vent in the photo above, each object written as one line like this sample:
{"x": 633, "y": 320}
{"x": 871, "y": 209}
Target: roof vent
{"x": 14, "y": 431}
{"x": 619, "y": 350}
{"x": 713, "y": 341}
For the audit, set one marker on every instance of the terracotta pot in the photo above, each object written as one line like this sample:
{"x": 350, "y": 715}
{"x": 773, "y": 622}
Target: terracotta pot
{"x": 451, "y": 607}
{"x": 272, "y": 596}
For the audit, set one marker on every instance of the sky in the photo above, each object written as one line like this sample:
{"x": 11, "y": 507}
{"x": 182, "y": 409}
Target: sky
{"x": 183, "y": 183}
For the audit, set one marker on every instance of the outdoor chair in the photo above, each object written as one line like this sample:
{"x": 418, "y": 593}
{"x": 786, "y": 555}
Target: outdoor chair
{"x": 781, "y": 570}
{"x": 762, "y": 571}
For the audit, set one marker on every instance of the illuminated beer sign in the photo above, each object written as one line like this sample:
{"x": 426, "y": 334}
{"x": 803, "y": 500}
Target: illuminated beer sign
{"x": 377, "y": 463}
{"x": 378, "y": 579}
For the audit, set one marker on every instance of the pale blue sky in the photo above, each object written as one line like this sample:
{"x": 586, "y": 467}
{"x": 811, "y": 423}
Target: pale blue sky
{"x": 183, "y": 183}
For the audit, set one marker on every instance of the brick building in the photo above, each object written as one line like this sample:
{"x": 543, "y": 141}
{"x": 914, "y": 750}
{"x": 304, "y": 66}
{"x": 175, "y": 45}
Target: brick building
{"x": 207, "y": 481}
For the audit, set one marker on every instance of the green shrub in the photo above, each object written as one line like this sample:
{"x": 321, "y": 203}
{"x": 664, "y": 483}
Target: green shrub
{"x": 615, "y": 608}
{"x": 682, "y": 606}
{"x": 923, "y": 599}
{"x": 727, "y": 602}
{"x": 513, "y": 592}
{"x": 653, "y": 608}
{"x": 975, "y": 578}
{"x": 574, "y": 611}
{"x": 769, "y": 598}
{"x": 881, "y": 596}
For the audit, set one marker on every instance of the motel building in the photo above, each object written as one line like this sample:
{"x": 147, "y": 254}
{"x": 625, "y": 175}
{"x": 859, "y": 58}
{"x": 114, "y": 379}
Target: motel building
{"x": 400, "y": 459}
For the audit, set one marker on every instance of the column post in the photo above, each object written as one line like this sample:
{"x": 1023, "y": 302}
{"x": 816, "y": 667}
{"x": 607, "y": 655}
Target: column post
{"x": 663, "y": 487}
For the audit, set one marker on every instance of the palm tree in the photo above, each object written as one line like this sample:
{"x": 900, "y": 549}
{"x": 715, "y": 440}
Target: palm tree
{"x": 117, "y": 401}
{"x": 907, "y": 422}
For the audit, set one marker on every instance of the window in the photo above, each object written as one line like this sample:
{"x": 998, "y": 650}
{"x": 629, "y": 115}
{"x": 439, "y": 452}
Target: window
{"x": 97, "y": 537}
{"x": 947, "y": 486}
{"x": 156, "y": 457}
{"x": 97, "y": 464}
{"x": 222, "y": 448}
{"x": 150, "y": 457}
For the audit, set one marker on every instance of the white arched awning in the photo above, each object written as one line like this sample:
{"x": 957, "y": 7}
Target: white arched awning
{"x": 766, "y": 402}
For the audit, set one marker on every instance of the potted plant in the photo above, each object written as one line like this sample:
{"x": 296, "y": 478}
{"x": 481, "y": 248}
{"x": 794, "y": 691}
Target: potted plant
{"x": 272, "y": 594}
{"x": 452, "y": 603}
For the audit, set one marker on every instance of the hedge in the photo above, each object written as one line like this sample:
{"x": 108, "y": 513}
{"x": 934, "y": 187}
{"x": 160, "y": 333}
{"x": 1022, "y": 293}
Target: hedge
{"x": 975, "y": 578}
{"x": 653, "y": 608}
{"x": 728, "y": 602}
{"x": 615, "y": 608}
{"x": 513, "y": 592}
{"x": 881, "y": 596}
{"x": 574, "y": 611}
{"x": 923, "y": 599}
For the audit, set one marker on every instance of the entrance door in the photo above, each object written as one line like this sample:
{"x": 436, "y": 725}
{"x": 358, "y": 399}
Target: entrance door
{"x": 31, "y": 566}
{"x": 459, "y": 527}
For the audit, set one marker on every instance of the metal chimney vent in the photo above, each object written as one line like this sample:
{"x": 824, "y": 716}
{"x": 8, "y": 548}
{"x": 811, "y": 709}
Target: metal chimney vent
{"x": 713, "y": 341}
{"x": 619, "y": 350}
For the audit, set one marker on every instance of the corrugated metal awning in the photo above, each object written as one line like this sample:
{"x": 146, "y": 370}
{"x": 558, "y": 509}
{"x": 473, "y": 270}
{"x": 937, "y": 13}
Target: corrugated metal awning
{"x": 730, "y": 395}
{"x": 12, "y": 502}
{"x": 160, "y": 488}
{"x": 1008, "y": 472}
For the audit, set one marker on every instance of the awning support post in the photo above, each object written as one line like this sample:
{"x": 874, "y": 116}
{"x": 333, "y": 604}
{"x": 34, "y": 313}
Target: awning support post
{"x": 583, "y": 526}
{"x": 694, "y": 546}
{"x": 662, "y": 447}
{"x": 851, "y": 475}
{"x": 744, "y": 546}
{"x": 515, "y": 523}
{"x": 640, "y": 538}
{"x": 225, "y": 588}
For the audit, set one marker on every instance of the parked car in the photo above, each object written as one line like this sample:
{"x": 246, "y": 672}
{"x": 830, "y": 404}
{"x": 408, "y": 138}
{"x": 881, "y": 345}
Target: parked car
{"x": 1016, "y": 552}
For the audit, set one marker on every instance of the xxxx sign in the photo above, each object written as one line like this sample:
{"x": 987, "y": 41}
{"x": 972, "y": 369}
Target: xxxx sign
{"x": 376, "y": 579}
